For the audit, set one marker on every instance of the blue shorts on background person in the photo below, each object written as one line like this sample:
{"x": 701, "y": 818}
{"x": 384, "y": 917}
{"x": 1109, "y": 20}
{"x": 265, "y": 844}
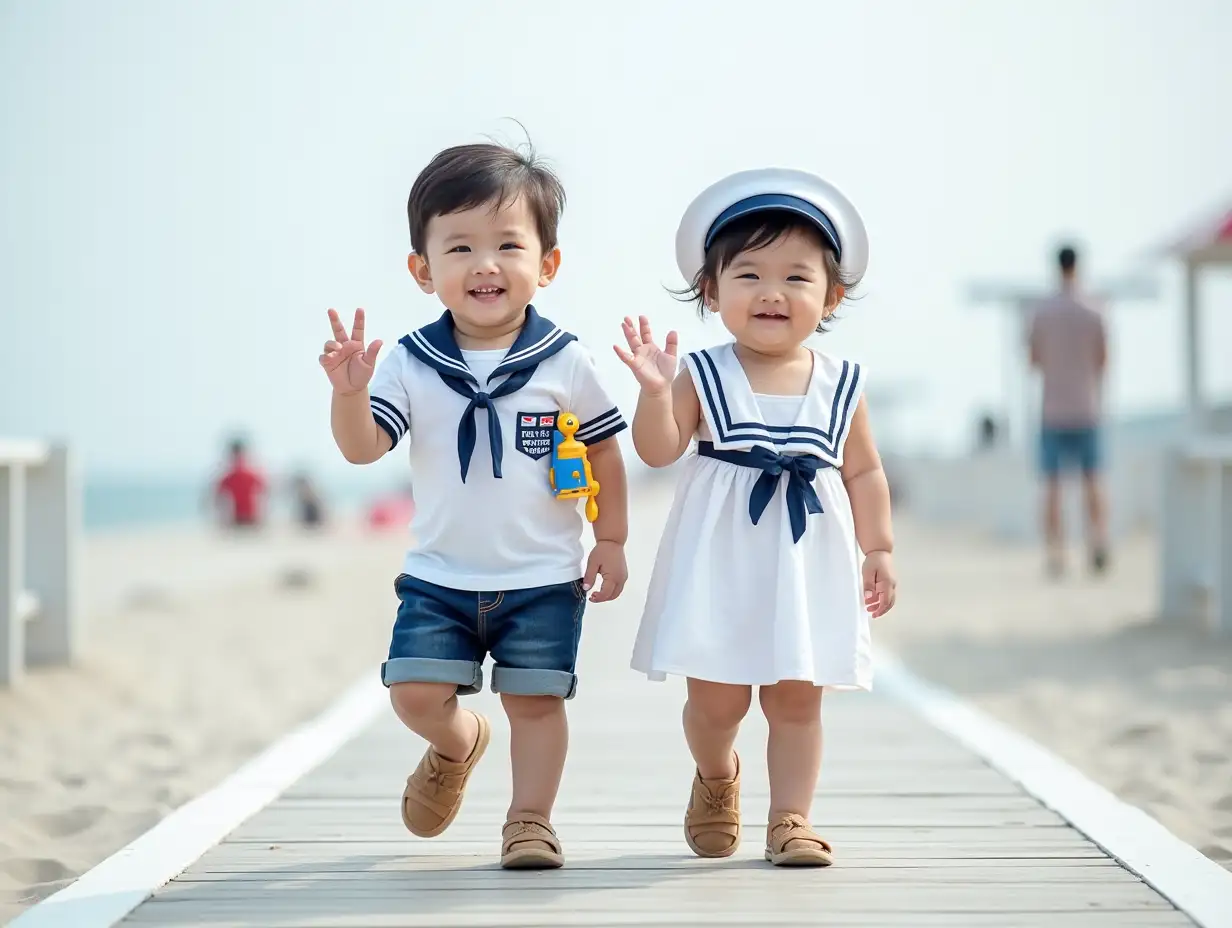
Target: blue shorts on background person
{"x": 1069, "y": 448}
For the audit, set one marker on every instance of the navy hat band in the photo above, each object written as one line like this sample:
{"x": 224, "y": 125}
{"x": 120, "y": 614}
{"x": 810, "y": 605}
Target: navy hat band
{"x": 765, "y": 202}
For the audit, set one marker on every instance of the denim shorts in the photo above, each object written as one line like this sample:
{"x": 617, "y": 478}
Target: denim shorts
{"x": 1062, "y": 447}
{"x": 442, "y": 635}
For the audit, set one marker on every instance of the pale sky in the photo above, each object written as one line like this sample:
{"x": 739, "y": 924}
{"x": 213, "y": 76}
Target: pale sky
{"x": 187, "y": 187}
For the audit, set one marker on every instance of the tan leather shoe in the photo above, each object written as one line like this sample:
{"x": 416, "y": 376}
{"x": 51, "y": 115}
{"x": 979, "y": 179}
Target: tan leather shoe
{"x": 433, "y": 793}
{"x": 791, "y": 842}
{"x": 529, "y": 843}
{"x": 712, "y": 820}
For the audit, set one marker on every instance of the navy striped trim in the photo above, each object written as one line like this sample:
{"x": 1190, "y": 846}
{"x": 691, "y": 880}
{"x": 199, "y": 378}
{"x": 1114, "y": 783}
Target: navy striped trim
{"x": 601, "y": 427}
{"x": 389, "y": 417}
{"x": 541, "y": 350}
{"x": 727, "y": 431}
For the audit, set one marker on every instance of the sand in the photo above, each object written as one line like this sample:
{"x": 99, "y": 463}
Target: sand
{"x": 1142, "y": 707}
{"x": 203, "y": 650}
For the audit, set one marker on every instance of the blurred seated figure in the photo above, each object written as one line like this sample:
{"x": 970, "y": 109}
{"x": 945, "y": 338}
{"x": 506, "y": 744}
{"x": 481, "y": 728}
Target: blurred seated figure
{"x": 309, "y": 508}
{"x": 986, "y": 440}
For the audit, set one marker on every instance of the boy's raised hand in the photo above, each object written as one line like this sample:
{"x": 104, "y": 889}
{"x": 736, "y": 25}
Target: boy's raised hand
{"x": 654, "y": 367}
{"x": 346, "y": 362}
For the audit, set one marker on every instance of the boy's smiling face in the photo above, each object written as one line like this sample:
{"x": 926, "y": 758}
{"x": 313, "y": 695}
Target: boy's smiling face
{"x": 485, "y": 266}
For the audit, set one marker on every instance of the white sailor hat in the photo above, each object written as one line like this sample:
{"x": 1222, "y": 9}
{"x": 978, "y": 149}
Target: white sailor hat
{"x": 773, "y": 189}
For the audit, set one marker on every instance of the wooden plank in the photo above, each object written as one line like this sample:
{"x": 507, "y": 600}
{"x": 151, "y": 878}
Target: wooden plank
{"x": 599, "y": 806}
{"x": 486, "y": 874}
{"x": 270, "y": 863}
{"x": 336, "y": 782}
{"x": 484, "y": 850}
{"x": 756, "y": 898}
{"x": 175, "y": 917}
{"x": 280, "y": 823}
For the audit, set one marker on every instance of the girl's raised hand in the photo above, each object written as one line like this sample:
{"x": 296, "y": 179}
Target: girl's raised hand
{"x": 654, "y": 367}
{"x": 348, "y": 365}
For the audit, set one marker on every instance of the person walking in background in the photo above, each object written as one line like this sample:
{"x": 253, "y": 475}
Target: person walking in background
{"x": 1069, "y": 347}
{"x": 239, "y": 494}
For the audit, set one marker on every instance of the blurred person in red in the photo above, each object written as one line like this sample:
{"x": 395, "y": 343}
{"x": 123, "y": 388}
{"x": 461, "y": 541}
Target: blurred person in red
{"x": 240, "y": 492}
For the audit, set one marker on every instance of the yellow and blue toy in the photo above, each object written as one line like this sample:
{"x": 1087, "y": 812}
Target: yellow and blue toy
{"x": 570, "y": 476}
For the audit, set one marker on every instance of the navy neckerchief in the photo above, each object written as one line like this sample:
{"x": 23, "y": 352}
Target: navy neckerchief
{"x": 436, "y": 346}
{"x": 800, "y": 470}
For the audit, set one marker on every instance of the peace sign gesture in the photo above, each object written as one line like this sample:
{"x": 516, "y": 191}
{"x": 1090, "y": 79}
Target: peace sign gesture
{"x": 346, "y": 362}
{"x": 654, "y": 367}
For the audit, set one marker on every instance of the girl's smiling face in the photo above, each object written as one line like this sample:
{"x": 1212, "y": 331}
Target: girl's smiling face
{"x": 773, "y": 296}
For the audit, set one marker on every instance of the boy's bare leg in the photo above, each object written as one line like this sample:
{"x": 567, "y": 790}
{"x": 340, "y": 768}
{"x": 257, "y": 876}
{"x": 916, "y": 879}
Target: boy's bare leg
{"x": 431, "y": 711}
{"x": 458, "y": 739}
{"x": 538, "y": 743}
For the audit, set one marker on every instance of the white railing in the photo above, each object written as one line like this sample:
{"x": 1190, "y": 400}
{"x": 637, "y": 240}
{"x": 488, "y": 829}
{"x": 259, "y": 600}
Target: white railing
{"x": 40, "y": 519}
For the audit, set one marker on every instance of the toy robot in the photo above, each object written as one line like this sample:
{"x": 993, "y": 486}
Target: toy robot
{"x": 570, "y": 475}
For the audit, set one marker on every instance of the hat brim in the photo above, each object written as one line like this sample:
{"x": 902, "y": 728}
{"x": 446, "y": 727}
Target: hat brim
{"x": 773, "y": 189}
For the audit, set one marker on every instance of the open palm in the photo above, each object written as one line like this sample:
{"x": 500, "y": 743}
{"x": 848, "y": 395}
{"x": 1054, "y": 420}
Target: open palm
{"x": 347, "y": 363}
{"x": 654, "y": 367}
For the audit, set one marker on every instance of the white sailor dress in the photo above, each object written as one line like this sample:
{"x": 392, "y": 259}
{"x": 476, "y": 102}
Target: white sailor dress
{"x": 758, "y": 574}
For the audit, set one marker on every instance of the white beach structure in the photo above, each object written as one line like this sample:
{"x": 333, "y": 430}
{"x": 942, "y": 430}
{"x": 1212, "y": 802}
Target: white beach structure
{"x": 40, "y": 526}
{"x": 1195, "y": 548}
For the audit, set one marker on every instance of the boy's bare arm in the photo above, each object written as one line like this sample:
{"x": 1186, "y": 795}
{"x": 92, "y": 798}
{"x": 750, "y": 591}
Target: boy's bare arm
{"x": 356, "y": 433}
{"x": 664, "y": 422}
{"x": 867, "y": 486}
{"x": 608, "y": 467}
{"x": 350, "y": 366}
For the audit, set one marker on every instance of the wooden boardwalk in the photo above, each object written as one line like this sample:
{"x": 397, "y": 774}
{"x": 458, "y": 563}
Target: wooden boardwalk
{"x": 926, "y": 831}
{"x": 925, "y": 834}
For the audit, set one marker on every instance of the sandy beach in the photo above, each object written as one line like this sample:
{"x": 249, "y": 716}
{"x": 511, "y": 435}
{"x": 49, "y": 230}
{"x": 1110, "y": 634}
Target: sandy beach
{"x": 203, "y": 650}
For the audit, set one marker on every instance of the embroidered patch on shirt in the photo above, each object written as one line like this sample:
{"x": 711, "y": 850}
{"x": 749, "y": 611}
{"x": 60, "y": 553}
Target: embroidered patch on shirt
{"x": 534, "y": 436}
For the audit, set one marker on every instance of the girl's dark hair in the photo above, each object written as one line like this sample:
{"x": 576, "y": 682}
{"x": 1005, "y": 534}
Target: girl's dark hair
{"x": 749, "y": 233}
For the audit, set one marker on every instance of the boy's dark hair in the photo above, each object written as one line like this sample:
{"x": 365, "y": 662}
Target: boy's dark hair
{"x": 758, "y": 230}
{"x": 466, "y": 176}
{"x": 1067, "y": 258}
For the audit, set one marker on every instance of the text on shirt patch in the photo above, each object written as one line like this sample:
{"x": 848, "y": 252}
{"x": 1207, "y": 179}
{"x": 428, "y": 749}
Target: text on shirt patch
{"x": 534, "y": 435}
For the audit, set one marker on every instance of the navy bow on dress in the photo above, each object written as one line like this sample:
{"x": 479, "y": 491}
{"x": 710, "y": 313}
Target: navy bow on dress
{"x": 436, "y": 346}
{"x": 800, "y": 470}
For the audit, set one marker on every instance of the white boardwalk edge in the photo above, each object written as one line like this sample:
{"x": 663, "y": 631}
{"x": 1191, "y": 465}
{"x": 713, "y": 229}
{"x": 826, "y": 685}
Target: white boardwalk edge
{"x": 1196, "y": 885}
{"x": 104, "y": 895}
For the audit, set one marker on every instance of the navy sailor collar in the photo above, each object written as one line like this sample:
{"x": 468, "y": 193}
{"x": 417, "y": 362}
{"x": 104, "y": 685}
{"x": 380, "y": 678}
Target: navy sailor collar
{"x": 436, "y": 346}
